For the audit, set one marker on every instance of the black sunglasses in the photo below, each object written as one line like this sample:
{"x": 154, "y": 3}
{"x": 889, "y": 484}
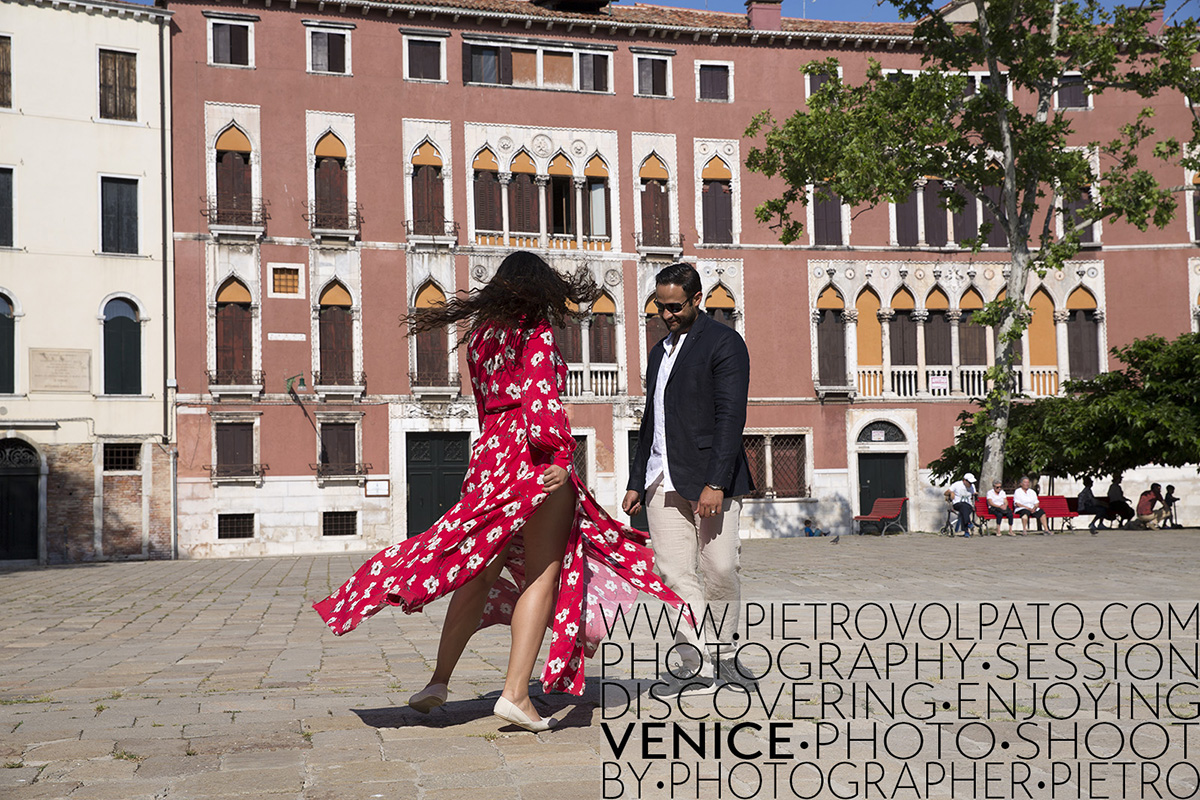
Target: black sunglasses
{"x": 674, "y": 308}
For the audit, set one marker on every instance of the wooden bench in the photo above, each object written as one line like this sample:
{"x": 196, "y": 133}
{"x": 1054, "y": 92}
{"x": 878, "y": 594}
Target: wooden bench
{"x": 886, "y": 510}
{"x": 982, "y": 513}
{"x": 1057, "y": 507}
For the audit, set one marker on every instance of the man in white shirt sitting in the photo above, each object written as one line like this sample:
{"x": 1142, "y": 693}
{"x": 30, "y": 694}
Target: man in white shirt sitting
{"x": 1026, "y": 505}
{"x": 997, "y": 501}
{"x": 962, "y": 498}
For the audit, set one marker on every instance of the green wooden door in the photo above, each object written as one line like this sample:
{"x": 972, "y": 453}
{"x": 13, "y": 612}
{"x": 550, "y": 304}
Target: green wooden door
{"x": 437, "y": 465}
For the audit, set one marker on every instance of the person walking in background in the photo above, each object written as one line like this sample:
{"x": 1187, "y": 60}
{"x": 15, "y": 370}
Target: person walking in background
{"x": 1147, "y": 514}
{"x": 522, "y": 508}
{"x": 997, "y": 503}
{"x": 1026, "y": 505}
{"x": 1118, "y": 506}
{"x": 690, "y": 470}
{"x": 961, "y": 495}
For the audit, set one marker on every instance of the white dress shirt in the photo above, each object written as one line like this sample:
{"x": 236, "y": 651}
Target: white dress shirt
{"x": 1025, "y": 498}
{"x": 656, "y": 466}
{"x": 962, "y": 493}
{"x": 998, "y": 498}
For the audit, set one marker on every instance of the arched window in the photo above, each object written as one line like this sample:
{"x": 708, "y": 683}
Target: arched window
{"x": 524, "y": 199}
{"x": 562, "y": 196}
{"x": 432, "y": 351}
{"x": 8, "y": 347}
{"x": 330, "y": 187}
{"x": 717, "y": 202}
{"x": 602, "y": 334}
{"x": 235, "y": 194}
{"x": 720, "y": 306}
{"x": 489, "y": 215}
{"x": 656, "y": 329}
{"x": 937, "y": 330}
{"x": 656, "y": 208}
{"x": 831, "y": 338}
{"x": 935, "y": 215}
{"x": 569, "y": 336}
{"x": 1083, "y": 335}
{"x": 335, "y": 328}
{"x": 596, "y": 200}
{"x": 972, "y": 338}
{"x": 235, "y": 346}
{"x": 429, "y": 217}
{"x": 122, "y": 348}
{"x": 870, "y": 329}
{"x": 1043, "y": 346}
{"x": 903, "y": 330}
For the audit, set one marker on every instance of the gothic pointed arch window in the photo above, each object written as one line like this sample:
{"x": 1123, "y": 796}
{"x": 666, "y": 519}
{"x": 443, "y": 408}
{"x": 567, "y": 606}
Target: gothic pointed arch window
{"x": 569, "y": 336}
{"x": 937, "y": 329}
{"x": 122, "y": 348}
{"x": 8, "y": 346}
{"x": 717, "y": 202}
{"x": 488, "y": 212}
{"x": 428, "y": 197}
{"x": 972, "y": 337}
{"x": 433, "y": 352}
{"x": 656, "y": 207}
{"x": 235, "y": 350}
{"x": 562, "y": 196}
{"x": 235, "y": 193}
{"x": 903, "y": 330}
{"x": 524, "y": 199}
{"x": 602, "y": 333}
{"x": 831, "y": 338}
{"x": 331, "y": 194}
{"x": 335, "y": 329}
{"x": 1042, "y": 335}
{"x": 1083, "y": 335}
{"x": 596, "y": 200}
{"x": 656, "y": 329}
{"x": 720, "y": 305}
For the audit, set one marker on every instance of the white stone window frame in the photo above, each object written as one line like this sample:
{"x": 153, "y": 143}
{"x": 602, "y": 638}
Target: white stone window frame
{"x": 418, "y": 284}
{"x": 1191, "y": 204}
{"x": 808, "y": 92}
{"x": 254, "y": 287}
{"x": 713, "y": 63}
{"x": 302, "y": 288}
{"x": 143, "y": 454}
{"x": 1087, "y": 93}
{"x": 441, "y": 141}
{"x": 811, "y": 215}
{"x": 659, "y": 55}
{"x": 894, "y": 223}
{"x": 341, "y": 125}
{"x": 143, "y": 321}
{"x": 610, "y": 58}
{"x": 1097, "y": 226}
{"x": 219, "y": 512}
{"x": 729, "y": 151}
{"x": 662, "y": 145}
{"x": 1193, "y": 293}
{"x": 575, "y": 50}
{"x": 440, "y": 40}
{"x": 141, "y": 232}
{"x": 352, "y": 284}
{"x": 140, "y": 121}
{"x": 221, "y": 416}
{"x": 220, "y": 117}
{"x": 809, "y": 462}
{"x": 14, "y": 107}
{"x": 16, "y": 242}
{"x": 18, "y": 313}
{"x": 244, "y": 20}
{"x": 977, "y": 76}
{"x": 312, "y": 26}
{"x": 342, "y": 417}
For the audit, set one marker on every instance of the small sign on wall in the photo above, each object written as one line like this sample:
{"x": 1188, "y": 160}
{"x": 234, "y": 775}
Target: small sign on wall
{"x": 379, "y": 488}
{"x": 60, "y": 370}
{"x": 939, "y": 383}
{"x": 877, "y": 435}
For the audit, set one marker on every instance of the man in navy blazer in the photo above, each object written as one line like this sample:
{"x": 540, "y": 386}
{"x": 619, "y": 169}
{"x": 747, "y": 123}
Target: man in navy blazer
{"x": 690, "y": 470}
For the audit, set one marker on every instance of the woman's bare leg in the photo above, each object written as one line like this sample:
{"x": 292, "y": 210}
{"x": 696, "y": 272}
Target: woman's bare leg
{"x": 546, "y": 534}
{"x": 462, "y": 618}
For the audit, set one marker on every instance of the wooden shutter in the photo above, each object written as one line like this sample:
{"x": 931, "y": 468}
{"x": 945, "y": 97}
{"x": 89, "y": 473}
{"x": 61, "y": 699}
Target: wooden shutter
{"x": 524, "y": 204}
{"x": 118, "y": 215}
{"x": 239, "y": 44}
{"x": 645, "y": 76}
{"x": 906, "y": 222}
{"x": 339, "y": 453}
{"x": 815, "y": 82}
{"x": 656, "y": 331}
{"x": 599, "y": 72}
{"x": 233, "y": 182}
{"x": 904, "y": 340}
{"x": 659, "y": 72}
{"x": 714, "y": 83}
{"x": 337, "y": 348}
{"x": 603, "y": 339}
{"x": 656, "y": 221}
{"x": 468, "y": 63}
{"x": 935, "y": 215}
{"x": 569, "y": 338}
{"x": 428, "y": 201}
{"x": 320, "y": 51}
{"x": 5, "y": 72}
{"x": 1072, "y": 217}
{"x": 831, "y": 349}
{"x": 1072, "y": 93}
{"x": 6, "y": 208}
{"x": 724, "y": 215}
{"x": 336, "y": 52}
{"x": 966, "y": 222}
{"x": 425, "y": 60}
{"x": 235, "y": 448}
{"x": 972, "y": 342}
{"x": 1083, "y": 344}
{"x": 8, "y": 355}
{"x": 234, "y": 353}
{"x": 118, "y": 85}
{"x": 221, "y": 53}
{"x": 996, "y": 236}
{"x": 122, "y": 356}
{"x": 504, "y": 68}
{"x": 827, "y": 218}
{"x": 330, "y": 192}
{"x": 937, "y": 339}
{"x": 432, "y": 358}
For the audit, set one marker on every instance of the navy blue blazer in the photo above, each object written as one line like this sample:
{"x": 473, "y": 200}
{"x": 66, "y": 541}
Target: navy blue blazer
{"x": 705, "y": 401}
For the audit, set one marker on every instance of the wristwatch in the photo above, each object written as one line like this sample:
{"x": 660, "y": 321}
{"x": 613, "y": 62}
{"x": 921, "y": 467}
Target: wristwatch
{"x": 714, "y": 486}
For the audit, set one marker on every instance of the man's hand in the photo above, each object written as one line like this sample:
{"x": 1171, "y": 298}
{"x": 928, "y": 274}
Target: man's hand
{"x": 554, "y": 478}
{"x": 632, "y": 503}
{"x": 710, "y": 503}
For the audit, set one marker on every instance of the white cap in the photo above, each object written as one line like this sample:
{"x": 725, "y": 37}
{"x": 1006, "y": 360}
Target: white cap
{"x": 969, "y": 478}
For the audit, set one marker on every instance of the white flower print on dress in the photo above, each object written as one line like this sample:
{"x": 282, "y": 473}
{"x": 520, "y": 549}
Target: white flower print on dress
{"x": 377, "y": 568}
{"x": 474, "y": 561}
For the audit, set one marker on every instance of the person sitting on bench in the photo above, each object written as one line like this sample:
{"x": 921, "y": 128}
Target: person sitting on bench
{"x": 1026, "y": 505}
{"x": 997, "y": 506}
{"x": 962, "y": 497}
{"x": 1147, "y": 514}
{"x": 1118, "y": 506}
{"x": 1089, "y": 505}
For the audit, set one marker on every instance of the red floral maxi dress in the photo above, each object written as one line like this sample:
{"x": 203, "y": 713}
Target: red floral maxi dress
{"x": 517, "y": 376}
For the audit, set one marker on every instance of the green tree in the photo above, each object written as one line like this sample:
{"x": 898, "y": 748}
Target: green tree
{"x": 870, "y": 142}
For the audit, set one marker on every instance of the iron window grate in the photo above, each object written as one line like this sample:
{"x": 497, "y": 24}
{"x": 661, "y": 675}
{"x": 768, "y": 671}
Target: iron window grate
{"x": 235, "y": 526}
{"x": 122, "y": 457}
{"x": 339, "y": 523}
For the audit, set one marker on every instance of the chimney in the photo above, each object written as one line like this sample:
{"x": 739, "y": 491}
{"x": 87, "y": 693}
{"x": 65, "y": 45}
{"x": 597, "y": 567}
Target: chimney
{"x": 765, "y": 15}
{"x": 1156, "y": 24}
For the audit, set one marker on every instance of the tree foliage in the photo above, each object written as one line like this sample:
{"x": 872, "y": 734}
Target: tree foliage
{"x": 870, "y": 142}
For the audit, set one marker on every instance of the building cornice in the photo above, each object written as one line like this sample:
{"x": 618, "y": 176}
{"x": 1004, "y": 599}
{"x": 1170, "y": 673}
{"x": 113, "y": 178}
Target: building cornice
{"x": 111, "y": 8}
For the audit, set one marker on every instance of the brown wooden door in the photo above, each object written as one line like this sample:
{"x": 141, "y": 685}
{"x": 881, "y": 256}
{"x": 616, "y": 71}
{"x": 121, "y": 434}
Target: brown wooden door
{"x": 831, "y": 349}
{"x": 332, "y": 203}
{"x": 233, "y": 188}
{"x": 656, "y": 215}
{"x": 337, "y": 348}
{"x": 234, "y": 352}
{"x": 428, "y": 201}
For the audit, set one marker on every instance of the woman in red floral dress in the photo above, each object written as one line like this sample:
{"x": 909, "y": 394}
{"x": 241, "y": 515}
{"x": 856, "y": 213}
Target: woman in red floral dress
{"x": 522, "y": 508}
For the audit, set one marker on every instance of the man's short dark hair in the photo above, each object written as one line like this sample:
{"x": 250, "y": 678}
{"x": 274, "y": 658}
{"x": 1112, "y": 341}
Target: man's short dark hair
{"x": 682, "y": 275}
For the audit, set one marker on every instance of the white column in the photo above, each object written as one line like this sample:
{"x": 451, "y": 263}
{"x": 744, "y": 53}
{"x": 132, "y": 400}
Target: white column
{"x": 1062, "y": 349}
{"x": 543, "y": 236}
{"x": 885, "y": 335}
{"x": 580, "y": 184}
{"x": 850, "y": 320}
{"x": 954, "y": 316}
{"x": 769, "y": 472}
{"x": 920, "y": 317}
{"x": 504, "y": 179}
{"x": 921, "y": 212}
{"x": 585, "y": 346}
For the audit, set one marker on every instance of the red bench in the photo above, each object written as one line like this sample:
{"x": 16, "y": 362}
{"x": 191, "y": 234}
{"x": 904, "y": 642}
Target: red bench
{"x": 886, "y": 510}
{"x": 1057, "y": 507}
{"x": 981, "y": 511}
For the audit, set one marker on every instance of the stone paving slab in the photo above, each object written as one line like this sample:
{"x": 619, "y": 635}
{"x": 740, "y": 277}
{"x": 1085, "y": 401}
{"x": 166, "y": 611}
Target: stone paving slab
{"x": 214, "y": 679}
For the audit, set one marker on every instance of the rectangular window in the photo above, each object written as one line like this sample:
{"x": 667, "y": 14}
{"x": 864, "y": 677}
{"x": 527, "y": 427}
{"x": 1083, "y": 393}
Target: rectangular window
{"x": 714, "y": 82}
{"x": 786, "y": 453}
{"x": 717, "y": 208}
{"x": 339, "y": 523}
{"x": 972, "y": 342}
{"x": 118, "y": 215}
{"x": 558, "y": 69}
{"x": 329, "y": 52}
{"x": 937, "y": 339}
{"x": 831, "y": 349}
{"x": 424, "y": 60}
{"x": 235, "y": 450}
{"x": 595, "y": 215}
{"x": 815, "y": 82}
{"x": 906, "y": 222}
{"x": 827, "y": 217}
{"x": 5, "y": 72}
{"x": 652, "y": 77}
{"x": 579, "y": 459}
{"x": 1083, "y": 344}
{"x": 122, "y": 457}
{"x": 935, "y": 215}
{"x": 231, "y": 43}
{"x": 593, "y": 72}
{"x": 562, "y": 205}
{"x": 285, "y": 280}
{"x": 235, "y": 526}
{"x": 487, "y": 64}
{"x": 966, "y": 221}
{"x": 6, "y": 207}
{"x": 118, "y": 85}
{"x": 1072, "y": 92}
{"x": 524, "y": 67}
{"x": 903, "y": 333}
{"x": 996, "y": 236}
{"x": 339, "y": 452}
{"x": 1072, "y": 216}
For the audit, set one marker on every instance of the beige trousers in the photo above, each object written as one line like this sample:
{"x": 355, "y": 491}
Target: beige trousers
{"x": 700, "y": 560}
{"x": 1154, "y": 519}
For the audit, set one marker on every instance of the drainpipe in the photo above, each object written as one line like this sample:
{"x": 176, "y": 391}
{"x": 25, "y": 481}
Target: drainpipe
{"x": 166, "y": 231}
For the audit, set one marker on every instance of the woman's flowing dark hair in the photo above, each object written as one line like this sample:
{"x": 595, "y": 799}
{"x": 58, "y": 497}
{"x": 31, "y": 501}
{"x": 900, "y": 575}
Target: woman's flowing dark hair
{"x": 524, "y": 291}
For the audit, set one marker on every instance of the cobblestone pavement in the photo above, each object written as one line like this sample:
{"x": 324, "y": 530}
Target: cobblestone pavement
{"x": 215, "y": 679}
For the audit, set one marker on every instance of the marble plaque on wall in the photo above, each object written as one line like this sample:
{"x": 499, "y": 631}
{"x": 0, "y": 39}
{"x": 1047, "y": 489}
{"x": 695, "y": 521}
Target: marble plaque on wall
{"x": 60, "y": 370}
